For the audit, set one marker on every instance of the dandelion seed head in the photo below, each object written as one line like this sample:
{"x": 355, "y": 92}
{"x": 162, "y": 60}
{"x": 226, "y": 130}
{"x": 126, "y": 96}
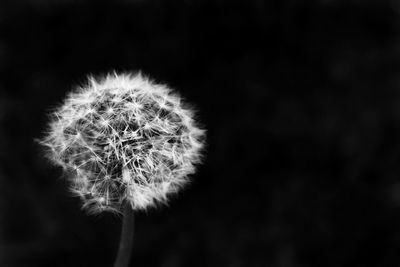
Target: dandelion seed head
{"x": 125, "y": 139}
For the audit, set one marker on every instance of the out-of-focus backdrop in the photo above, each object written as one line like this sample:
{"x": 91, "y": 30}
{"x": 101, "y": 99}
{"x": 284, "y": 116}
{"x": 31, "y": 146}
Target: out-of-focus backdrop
{"x": 301, "y": 100}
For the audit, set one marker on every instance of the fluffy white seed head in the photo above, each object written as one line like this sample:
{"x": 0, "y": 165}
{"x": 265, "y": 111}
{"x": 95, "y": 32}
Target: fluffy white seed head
{"x": 125, "y": 139}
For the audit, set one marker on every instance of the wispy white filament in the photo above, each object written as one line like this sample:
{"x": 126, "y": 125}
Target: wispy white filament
{"x": 124, "y": 138}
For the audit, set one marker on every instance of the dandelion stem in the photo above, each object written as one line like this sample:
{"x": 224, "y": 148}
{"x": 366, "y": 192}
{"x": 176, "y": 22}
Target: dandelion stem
{"x": 126, "y": 241}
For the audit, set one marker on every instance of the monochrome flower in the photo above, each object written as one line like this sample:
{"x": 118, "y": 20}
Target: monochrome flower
{"x": 124, "y": 138}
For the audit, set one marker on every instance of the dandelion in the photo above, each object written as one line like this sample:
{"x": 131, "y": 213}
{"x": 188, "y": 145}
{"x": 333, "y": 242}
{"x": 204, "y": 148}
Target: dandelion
{"x": 127, "y": 141}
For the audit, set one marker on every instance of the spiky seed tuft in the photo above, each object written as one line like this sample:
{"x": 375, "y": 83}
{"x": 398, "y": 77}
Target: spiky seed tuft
{"x": 125, "y": 138}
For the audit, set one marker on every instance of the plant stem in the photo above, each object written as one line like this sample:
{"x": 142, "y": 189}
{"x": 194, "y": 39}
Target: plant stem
{"x": 126, "y": 241}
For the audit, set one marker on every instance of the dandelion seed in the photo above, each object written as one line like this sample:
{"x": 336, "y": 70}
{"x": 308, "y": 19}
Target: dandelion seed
{"x": 127, "y": 139}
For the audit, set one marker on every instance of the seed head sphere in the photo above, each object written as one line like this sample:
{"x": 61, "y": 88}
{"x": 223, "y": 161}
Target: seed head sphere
{"x": 124, "y": 138}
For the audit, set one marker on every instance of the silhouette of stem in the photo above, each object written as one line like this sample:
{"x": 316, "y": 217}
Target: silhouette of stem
{"x": 126, "y": 241}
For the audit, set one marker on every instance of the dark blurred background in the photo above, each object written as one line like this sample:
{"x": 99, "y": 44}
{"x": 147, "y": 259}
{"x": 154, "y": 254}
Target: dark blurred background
{"x": 301, "y": 100}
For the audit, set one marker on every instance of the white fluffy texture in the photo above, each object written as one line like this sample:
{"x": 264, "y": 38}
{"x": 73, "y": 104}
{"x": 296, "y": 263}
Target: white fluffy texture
{"x": 125, "y": 138}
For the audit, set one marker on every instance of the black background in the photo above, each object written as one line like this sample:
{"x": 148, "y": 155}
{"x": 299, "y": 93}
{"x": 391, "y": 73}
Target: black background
{"x": 301, "y": 100}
